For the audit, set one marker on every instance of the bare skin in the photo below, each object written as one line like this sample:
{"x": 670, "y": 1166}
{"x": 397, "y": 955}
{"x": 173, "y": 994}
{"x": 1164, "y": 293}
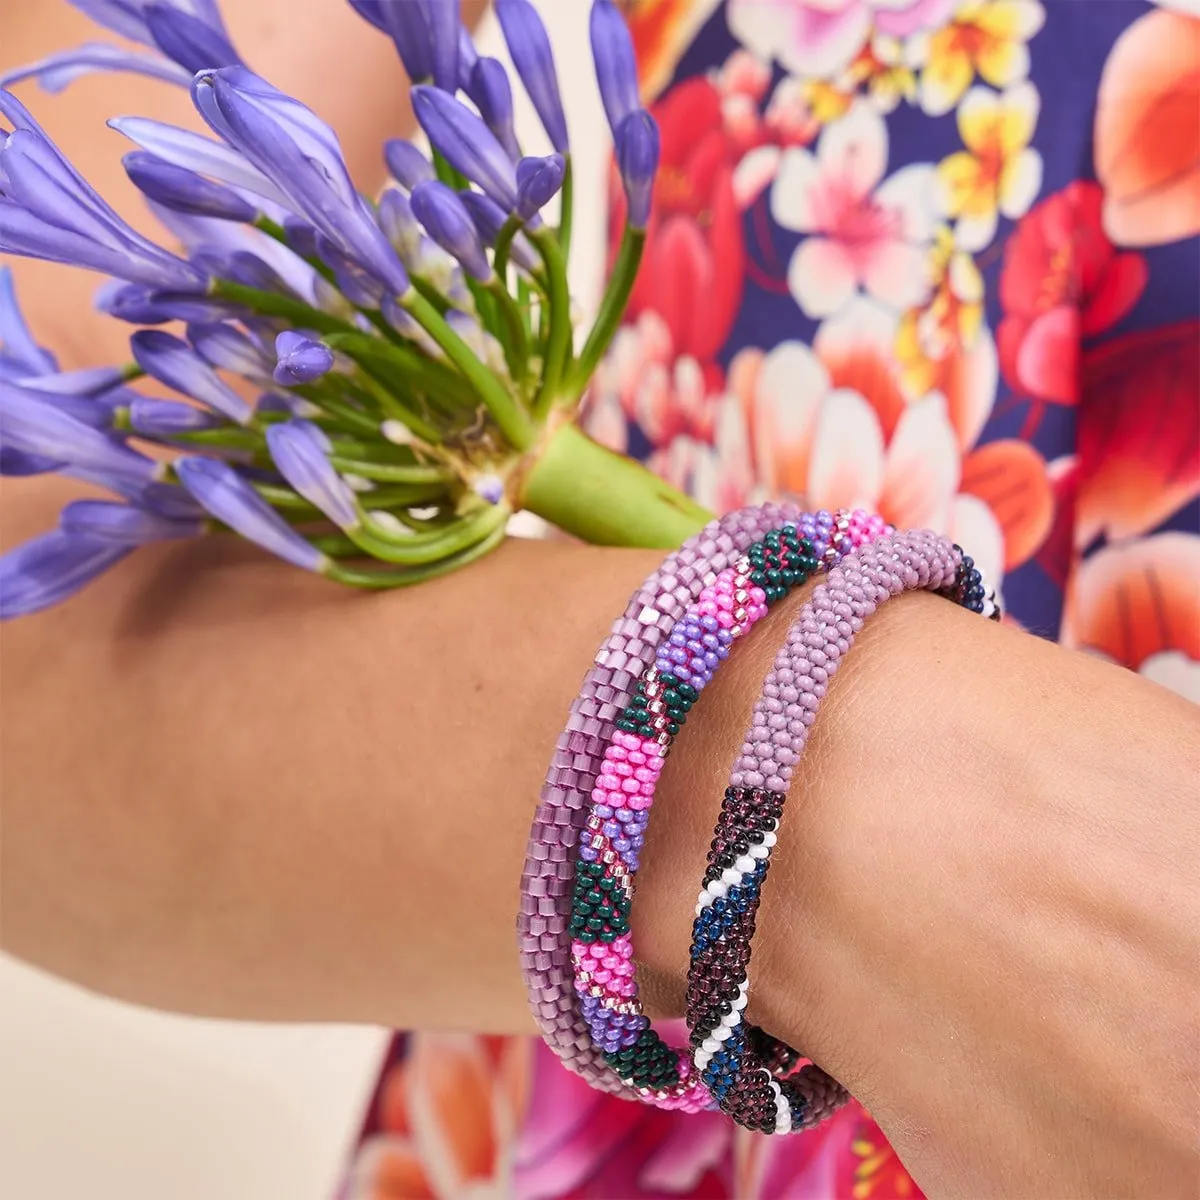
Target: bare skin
{"x": 233, "y": 789}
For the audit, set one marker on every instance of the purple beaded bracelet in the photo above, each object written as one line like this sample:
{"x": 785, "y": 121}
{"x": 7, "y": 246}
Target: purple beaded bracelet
{"x": 559, "y": 1000}
{"x": 543, "y": 923}
{"x": 747, "y": 1072}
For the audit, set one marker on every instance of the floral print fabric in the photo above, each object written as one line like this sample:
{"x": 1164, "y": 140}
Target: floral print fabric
{"x": 939, "y": 258}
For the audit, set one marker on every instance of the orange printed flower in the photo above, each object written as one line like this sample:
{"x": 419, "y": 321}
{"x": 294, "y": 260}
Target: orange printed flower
{"x": 985, "y": 36}
{"x": 1138, "y": 603}
{"x": 1138, "y": 431}
{"x": 449, "y": 1113}
{"x": 662, "y": 30}
{"x": 1148, "y": 132}
{"x": 998, "y": 172}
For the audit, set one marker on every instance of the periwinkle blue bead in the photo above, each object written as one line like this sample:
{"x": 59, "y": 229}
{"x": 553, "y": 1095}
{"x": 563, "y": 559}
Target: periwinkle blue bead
{"x": 588, "y": 853}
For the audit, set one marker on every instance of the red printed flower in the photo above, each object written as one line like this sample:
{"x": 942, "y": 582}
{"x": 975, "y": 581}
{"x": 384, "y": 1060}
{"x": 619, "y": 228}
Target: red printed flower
{"x": 1062, "y": 281}
{"x": 692, "y": 272}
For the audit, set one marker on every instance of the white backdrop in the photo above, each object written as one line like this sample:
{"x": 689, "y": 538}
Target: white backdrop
{"x": 103, "y": 1101}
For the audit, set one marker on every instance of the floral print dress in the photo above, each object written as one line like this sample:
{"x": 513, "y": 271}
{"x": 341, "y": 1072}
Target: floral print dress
{"x": 938, "y": 258}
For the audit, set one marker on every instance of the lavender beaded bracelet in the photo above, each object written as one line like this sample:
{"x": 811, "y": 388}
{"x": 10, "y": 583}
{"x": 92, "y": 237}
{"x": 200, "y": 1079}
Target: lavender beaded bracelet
{"x": 746, "y": 1071}
{"x": 568, "y": 1027}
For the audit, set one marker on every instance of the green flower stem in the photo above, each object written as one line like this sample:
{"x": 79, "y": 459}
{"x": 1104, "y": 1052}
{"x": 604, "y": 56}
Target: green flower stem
{"x": 558, "y": 345}
{"x": 400, "y": 496}
{"x": 525, "y": 304}
{"x": 515, "y": 341}
{"x": 568, "y": 211}
{"x": 270, "y": 304}
{"x": 504, "y": 241}
{"x": 418, "y": 549}
{"x": 335, "y": 545}
{"x": 612, "y": 308}
{"x": 603, "y": 497}
{"x": 503, "y": 408}
{"x": 385, "y": 472}
{"x": 391, "y": 406}
{"x": 406, "y": 368}
{"x": 221, "y": 439}
{"x": 381, "y": 580}
{"x": 343, "y": 414}
{"x": 282, "y": 497}
{"x": 449, "y": 175}
{"x": 431, "y": 294}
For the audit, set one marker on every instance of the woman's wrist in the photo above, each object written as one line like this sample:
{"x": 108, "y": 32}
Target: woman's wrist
{"x": 979, "y": 908}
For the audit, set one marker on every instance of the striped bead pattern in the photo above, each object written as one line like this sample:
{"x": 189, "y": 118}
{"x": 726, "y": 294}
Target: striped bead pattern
{"x": 550, "y": 883}
{"x": 747, "y": 1073}
{"x": 728, "y": 602}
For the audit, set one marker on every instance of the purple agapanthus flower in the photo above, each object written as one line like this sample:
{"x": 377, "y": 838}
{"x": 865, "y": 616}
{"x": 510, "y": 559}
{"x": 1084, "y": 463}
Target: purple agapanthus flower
{"x": 335, "y": 344}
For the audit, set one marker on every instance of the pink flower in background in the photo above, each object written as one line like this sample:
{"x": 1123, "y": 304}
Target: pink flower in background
{"x": 819, "y": 38}
{"x": 861, "y": 233}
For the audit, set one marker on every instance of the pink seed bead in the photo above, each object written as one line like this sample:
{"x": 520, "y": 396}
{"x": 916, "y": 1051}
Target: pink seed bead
{"x": 623, "y": 769}
{"x": 615, "y": 752}
{"x": 706, "y": 608}
{"x": 724, "y": 618}
{"x": 630, "y": 786}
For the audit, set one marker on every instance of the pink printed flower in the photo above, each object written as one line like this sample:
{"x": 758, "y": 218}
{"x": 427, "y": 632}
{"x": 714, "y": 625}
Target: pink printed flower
{"x": 819, "y": 38}
{"x": 861, "y": 233}
{"x": 646, "y": 379}
{"x": 835, "y": 426}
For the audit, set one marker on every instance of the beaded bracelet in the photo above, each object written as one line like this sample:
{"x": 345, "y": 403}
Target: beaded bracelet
{"x": 603, "y": 1035}
{"x": 747, "y": 1072}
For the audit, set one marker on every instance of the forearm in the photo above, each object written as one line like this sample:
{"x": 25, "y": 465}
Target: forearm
{"x": 232, "y": 788}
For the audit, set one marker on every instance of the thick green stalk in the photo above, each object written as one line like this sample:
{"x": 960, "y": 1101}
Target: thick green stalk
{"x": 558, "y": 342}
{"x": 612, "y": 309}
{"x": 503, "y": 408}
{"x": 603, "y": 497}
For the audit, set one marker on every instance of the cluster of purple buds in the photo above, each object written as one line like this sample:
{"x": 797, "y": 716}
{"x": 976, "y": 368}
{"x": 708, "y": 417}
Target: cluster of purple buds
{"x": 349, "y": 381}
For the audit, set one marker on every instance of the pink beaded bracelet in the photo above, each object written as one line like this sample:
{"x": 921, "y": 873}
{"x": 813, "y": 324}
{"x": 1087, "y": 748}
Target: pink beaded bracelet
{"x": 603, "y": 1034}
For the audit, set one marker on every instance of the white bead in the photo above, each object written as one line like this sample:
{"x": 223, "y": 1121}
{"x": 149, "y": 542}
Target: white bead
{"x": 701, "y": 1058}
{"x": 718, "y": 888}
{"x": 732, "y": 1018}
{"x": 744, "y": 864}
{"x": 760, "y": 851}
{"x": 731, "y": 876}
{"x": 769, "y": 839}
{"x": 711, "y": 1044}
